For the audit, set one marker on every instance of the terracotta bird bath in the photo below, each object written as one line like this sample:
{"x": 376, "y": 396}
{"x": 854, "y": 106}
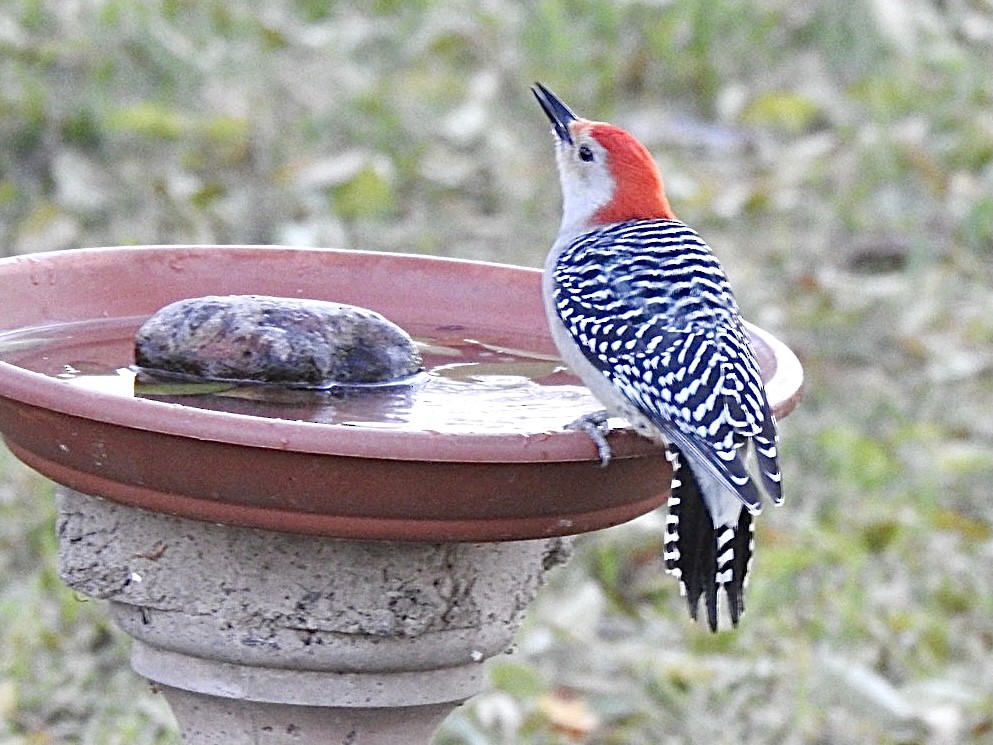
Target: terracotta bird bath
{"x": 289, "y": 576}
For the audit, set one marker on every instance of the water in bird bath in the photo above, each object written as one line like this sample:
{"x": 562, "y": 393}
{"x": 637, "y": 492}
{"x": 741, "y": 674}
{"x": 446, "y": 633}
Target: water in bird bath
{"x": 473, "y": 384}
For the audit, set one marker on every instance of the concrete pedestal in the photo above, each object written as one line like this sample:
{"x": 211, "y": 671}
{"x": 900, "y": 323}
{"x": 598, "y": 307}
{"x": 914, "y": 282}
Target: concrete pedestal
{"x": 264, "y": 637}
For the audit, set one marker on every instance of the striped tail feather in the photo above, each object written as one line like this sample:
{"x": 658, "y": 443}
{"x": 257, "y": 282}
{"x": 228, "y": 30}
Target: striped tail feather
{"x": 705, "y": 558}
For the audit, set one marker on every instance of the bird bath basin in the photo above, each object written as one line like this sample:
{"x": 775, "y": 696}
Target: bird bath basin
{"x": 292, "y": 575}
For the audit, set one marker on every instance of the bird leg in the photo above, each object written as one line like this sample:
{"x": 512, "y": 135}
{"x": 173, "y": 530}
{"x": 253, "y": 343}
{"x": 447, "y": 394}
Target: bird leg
{"x": 596, "y": 427}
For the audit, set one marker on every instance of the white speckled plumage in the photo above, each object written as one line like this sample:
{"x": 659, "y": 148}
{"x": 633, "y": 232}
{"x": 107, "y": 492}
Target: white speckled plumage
{"x": 641, "y": 310}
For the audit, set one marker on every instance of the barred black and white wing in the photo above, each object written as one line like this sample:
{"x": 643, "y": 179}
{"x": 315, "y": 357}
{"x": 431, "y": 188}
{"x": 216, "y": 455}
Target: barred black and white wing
{"x": 651, "y": 310}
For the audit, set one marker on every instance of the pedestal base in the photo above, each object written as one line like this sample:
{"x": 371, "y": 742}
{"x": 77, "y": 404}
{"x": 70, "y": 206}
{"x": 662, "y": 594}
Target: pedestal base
{"x": 263, "y": 637}
{"x": 211, "y": 720}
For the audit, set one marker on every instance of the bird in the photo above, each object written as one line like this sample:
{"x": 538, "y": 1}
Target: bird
{"x": 643, "y": 314}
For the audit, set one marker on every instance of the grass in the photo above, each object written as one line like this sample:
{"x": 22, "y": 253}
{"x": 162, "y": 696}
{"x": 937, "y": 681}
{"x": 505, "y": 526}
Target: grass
{"x": 838, "y": 156}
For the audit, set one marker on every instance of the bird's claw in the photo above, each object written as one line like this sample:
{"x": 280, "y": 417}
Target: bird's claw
{"x": 596, "y": 428}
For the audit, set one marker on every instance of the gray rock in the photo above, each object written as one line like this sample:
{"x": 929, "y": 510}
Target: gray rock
{"x": 259, "y": 339}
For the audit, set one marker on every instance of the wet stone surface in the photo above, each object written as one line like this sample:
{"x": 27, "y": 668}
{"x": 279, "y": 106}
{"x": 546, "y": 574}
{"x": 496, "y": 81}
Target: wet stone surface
{"x": 287, "y": 341}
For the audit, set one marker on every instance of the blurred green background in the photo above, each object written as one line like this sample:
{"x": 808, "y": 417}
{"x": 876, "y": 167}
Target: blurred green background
{"x": 837, "y": 155}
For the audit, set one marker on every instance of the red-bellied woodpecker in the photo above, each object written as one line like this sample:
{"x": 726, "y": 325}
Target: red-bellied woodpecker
{"x": 642, "y": 312}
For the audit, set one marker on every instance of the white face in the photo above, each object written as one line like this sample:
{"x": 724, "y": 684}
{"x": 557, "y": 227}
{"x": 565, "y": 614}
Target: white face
{"x": 587, "y": 184}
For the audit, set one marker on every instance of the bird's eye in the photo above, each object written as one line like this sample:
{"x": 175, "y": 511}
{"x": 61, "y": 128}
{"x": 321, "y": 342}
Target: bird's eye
{"x": 585, "y": 153}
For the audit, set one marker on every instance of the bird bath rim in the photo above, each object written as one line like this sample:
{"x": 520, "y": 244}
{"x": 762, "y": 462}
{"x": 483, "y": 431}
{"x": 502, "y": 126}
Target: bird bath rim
{"x": 540, "y": 475}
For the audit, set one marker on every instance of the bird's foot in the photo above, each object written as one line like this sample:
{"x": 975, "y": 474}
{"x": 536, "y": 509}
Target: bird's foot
{"x": 596, "y": 428}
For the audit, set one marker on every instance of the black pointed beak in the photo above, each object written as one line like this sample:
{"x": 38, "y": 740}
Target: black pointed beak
{"x": 558, "y": 113}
